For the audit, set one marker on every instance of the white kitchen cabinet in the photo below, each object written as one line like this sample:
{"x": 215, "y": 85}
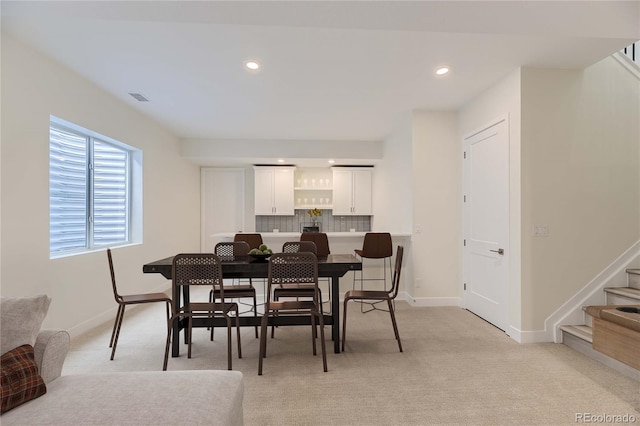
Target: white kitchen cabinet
{"x": 352, "y": 191}
{"x": 274, "y": 191}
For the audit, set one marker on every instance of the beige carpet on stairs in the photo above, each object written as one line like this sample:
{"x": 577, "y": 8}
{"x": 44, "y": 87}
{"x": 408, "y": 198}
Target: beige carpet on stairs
{"x": 456, "y": 369}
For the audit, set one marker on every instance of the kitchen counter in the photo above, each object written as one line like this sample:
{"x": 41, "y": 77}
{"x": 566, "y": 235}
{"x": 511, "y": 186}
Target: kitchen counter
{"x": 296, "y": 235}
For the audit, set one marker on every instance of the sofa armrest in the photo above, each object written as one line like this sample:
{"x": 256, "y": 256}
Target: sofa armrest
{"x": 50, "y": 349}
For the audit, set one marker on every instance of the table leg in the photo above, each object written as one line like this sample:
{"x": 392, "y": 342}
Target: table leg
{"x": 335, "y": 312}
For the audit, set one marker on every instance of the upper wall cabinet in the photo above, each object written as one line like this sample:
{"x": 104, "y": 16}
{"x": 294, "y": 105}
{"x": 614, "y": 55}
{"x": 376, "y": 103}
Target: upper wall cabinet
{"x": 274, "y": 191}
{"x": 352, "y": 191}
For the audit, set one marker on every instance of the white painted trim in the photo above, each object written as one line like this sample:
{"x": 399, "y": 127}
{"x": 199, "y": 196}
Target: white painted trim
{"x": 537, "y": 336}
{"x": 591, "y": 294}
{"x": 430, "y": 301}
{"x": 626, "y": 62}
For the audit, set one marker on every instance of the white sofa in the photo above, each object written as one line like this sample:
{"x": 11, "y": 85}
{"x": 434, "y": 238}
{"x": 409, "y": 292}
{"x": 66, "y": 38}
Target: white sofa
{"x": 211, "y": 397}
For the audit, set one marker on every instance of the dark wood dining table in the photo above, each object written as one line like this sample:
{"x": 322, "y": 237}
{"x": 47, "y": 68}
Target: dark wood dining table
{"x": 332, "y": 266}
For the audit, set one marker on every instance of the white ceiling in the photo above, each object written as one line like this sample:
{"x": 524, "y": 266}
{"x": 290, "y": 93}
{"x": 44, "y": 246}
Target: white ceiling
{"x": 331, "y": 70}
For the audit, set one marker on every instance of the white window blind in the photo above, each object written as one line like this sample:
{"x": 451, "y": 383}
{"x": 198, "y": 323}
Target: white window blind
{"x": 89, "y": 187}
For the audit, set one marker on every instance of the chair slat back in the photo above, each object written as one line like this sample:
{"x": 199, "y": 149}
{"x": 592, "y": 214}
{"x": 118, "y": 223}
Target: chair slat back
{"x": 292, "y": 268}
{"x": 198, "y": 269}
{"x": 254, "y": 240}
{"x": 299, "y": 246}
{"x": 395, "y": 285}
{"x": 377, "y": 245}
{"x": 113, "y": 277}
{"x": 321, "y": 241}
{"x": 229, "y": 250}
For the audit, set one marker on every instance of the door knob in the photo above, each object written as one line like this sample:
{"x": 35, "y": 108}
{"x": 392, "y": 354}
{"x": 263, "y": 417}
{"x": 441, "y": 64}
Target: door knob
{"x": 499, "y": 251}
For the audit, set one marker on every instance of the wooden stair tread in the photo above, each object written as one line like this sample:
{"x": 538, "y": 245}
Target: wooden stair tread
{"x": 583, "y": 332}
{"x": 630, "y": 292}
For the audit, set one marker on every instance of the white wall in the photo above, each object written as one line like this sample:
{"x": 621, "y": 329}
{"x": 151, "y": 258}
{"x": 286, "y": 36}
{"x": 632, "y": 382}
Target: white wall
{"x": 33, "y": 87}
{"x": 436, "y": 173}
{"x": 498, "y": 100}
{"x": 392, "y": 181}
{"x": 581, "y": 177}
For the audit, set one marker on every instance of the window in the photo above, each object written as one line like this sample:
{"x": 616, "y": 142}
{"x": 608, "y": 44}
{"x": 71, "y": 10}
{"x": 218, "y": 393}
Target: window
{"x": 91, "y": 183}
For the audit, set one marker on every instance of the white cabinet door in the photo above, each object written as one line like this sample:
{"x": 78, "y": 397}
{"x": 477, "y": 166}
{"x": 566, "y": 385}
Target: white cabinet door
{"x": 362, "y": 192}
{"x": 273, "y": 191}
{"x": 263, "y": 191}
{"x": 283, "y": 191}
{"x": 342, "y": 192}
{"x": 352, "y": 192}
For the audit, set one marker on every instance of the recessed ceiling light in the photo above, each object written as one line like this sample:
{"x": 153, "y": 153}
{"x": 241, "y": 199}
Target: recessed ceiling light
{"x": 252, "y": 65}
{"x": 332, "y": 161}
{"x": 442, "y": 70}
{"x": 280, "y": 160}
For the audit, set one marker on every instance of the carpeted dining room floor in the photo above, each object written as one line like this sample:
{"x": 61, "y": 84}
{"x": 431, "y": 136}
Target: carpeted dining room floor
{"x": 455, "y": 369}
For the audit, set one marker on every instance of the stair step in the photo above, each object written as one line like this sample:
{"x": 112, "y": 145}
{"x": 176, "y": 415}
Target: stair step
{"x": 634, "y": 278}
{"x": 583, "y": 332}
{"x": 622, "y": 295}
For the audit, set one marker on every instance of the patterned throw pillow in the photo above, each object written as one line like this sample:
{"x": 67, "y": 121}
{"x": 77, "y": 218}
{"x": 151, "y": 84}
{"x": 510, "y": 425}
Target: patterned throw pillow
{"x": 19, "y": 378}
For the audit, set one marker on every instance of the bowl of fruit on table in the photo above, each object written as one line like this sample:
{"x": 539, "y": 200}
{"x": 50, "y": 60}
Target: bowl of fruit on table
{"x": 261, "y": 253}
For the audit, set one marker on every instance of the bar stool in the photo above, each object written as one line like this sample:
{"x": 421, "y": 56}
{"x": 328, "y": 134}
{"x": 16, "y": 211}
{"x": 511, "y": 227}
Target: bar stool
{"x": 376, "y": 245}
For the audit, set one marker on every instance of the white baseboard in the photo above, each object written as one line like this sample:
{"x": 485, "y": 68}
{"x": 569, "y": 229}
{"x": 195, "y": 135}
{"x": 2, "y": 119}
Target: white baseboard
{"x": 538, "y": 336}
{"x": 570, "y": 313}
{"x": 429, "y": 301}
{"x": 108, "y": 316}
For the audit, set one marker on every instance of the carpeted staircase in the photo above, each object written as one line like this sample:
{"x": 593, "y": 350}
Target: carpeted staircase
{"x": 580, "y": 337}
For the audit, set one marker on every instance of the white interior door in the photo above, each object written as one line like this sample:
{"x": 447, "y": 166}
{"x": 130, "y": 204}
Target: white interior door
{"x": 486, "y": 223}
{"x": 222, "y": 204}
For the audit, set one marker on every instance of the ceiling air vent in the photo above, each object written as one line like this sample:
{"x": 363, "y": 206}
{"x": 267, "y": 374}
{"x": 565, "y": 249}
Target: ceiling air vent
{"x": 138, "y": 97}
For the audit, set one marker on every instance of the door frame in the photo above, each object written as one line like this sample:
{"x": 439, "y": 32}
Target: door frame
{"x": 508, "y": 327}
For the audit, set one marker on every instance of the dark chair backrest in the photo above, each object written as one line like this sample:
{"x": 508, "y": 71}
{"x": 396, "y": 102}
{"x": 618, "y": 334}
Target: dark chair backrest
{"x": 377, "y": 245}
{"x": 395, "y": 285}
{"x": 228, "y": 250}
{"x": 113, "y": 277}
{"x": 254, "y": 240}
{"x": 198, "y": 269}
{"x": 321, "y": 241}
{"x": 299, "y": 246}
{"x": 292, "y": 268}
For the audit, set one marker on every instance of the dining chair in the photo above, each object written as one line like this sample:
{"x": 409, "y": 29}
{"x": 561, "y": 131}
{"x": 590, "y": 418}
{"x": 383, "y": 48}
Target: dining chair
{"x": 296, "y": 289}
{"x": 376, "y": 245}
{"x": 130, "y": 299}
{"x": 228, "y": 251}
{"x": 196, "y": 269}
{"x": 322, "y": 250}
{"x": 254, "y": 240}
{"x": 292, "y": 268}
{"x": 377, "y": 295}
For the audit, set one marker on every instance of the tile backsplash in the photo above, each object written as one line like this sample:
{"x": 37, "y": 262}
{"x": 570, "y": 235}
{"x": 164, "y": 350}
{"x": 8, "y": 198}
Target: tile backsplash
{"x": 328, "y": 222}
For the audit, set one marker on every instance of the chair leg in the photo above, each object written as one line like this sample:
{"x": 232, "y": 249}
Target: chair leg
{"x": 322, "y": 343}
{"x": 255, "y": 311}
{"x": 313, "y": 332}
{"x": 115, "y": 340}
{"x": 395, "y": 325}
{"x": 189, "y": 335}
{"x": 344, "y": 323}
{"x": 229, "y": 361}
{"x": 263, "y": 341}
{"x": 115, "y": 325}
{"x": 166, "y": 348}
{"x": 238, "y": 332}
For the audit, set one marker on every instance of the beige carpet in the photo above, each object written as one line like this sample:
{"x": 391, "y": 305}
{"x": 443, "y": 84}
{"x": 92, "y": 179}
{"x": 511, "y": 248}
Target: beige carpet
{"x": 456, "y": 369}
